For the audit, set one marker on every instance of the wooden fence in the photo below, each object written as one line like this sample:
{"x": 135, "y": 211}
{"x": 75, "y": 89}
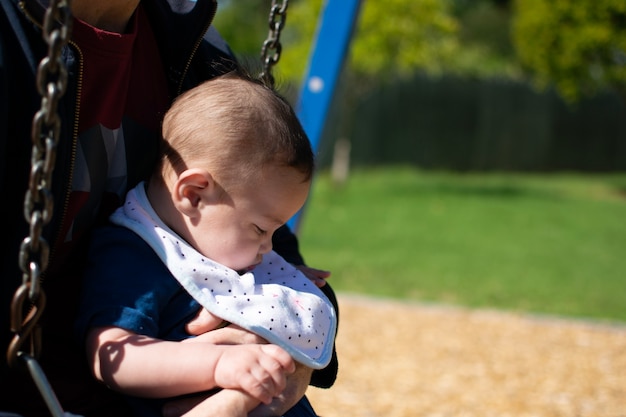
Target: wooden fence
{"x": 463, "y": 125}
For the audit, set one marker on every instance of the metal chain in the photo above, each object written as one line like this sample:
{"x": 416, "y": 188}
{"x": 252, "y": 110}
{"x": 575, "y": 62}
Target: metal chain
{"x": 38, "y": 204}
{"x": 270, "y": 52}
{"x": 34, "y": 251}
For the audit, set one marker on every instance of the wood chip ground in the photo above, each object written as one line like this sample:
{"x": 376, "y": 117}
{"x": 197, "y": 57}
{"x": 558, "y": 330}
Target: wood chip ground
{"x": 405, "y": 360}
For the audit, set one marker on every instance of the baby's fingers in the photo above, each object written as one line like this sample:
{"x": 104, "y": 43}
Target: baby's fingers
{"x": 317, "y": 276}
{"x": 269, "y": 378}
{"x": 263, "y": 385}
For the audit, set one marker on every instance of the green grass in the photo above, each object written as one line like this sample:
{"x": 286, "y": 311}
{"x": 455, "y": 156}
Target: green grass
{"x": 547, "y": 244}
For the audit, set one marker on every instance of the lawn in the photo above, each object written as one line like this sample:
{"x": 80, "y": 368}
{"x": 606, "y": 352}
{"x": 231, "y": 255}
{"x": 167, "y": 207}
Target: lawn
{"x": 549, "y": 244}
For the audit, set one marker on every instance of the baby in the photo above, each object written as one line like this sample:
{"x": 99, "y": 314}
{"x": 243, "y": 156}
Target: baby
{"x": 236, "y": 166}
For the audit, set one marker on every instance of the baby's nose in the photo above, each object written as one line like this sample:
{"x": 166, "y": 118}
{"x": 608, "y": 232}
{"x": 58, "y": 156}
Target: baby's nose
{"x": 266, "y": 246}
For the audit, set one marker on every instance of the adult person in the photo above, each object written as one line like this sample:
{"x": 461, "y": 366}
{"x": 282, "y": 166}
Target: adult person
{"x": 127, "y": 60}
{"x": 236, "y": 166}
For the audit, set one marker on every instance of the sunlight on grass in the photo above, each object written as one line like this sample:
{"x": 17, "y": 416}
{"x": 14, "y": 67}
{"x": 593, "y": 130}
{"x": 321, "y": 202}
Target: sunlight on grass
{"x": 543, "y": 243}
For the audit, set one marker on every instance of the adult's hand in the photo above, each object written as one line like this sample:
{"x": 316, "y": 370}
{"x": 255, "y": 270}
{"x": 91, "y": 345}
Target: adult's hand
{"x": 207, "y": 329}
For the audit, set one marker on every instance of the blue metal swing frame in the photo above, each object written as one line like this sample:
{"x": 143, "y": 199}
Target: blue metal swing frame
{"x": 333, "y": 36}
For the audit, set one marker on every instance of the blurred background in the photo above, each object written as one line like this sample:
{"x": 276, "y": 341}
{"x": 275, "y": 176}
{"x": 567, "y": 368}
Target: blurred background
{"x": 474, "y": 153}
{"x": 470, "y": 200}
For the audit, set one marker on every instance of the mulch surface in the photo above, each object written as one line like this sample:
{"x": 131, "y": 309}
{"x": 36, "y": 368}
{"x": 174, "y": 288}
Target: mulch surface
{"x": 406, "y": 360}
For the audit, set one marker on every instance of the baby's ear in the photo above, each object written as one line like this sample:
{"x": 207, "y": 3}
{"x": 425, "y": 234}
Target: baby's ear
{"x": 193, "y": 188}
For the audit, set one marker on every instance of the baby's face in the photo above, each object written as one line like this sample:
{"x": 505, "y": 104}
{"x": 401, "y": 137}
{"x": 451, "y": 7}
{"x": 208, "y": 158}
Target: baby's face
{"x": 237, "y": 235}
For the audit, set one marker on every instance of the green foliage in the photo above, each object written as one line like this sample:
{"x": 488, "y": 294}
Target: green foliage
{"x": 244, "y": 24}
{"x": 392, "y": 38}
{"x": 395, "y": 38}
{"x": 549, "y": 244}
{"x": 298, "y": 39}
{"x": 399, "y": 37}
{"x": 486, "y": 46}
{"x": 579, "y": 46}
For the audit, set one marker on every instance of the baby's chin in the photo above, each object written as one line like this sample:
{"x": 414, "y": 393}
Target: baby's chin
{"x": 246, "y": 269}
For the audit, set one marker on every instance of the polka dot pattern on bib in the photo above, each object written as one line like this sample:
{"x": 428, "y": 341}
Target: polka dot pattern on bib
{"x": 275, "y": 300}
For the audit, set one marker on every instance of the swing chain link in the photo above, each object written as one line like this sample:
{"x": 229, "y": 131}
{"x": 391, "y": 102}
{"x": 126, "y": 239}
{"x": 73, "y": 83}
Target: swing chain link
{"x": 271, "y": 49}
{"x": 38, "y": 203}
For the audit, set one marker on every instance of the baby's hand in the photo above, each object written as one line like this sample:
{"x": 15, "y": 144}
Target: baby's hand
{"x": 259, "y": 370}
{"x": 317, "y": 276}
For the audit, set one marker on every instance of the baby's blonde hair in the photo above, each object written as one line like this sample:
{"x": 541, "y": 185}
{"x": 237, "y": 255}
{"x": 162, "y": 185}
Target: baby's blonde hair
{"x": 234, "y": 126}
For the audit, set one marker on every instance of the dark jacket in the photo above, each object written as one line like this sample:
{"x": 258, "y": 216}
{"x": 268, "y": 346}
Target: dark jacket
{"x": 191, "y": 52}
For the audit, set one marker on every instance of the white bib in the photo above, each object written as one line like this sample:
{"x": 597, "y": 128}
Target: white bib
{"x": 275, "y": 300}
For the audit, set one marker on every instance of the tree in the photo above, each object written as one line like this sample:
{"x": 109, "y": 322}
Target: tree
{"x": 485, "y": 36}
{"x": 244, "y": 24}
{"x": 392, "y": 38}
{"x": 578, "y": 46}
